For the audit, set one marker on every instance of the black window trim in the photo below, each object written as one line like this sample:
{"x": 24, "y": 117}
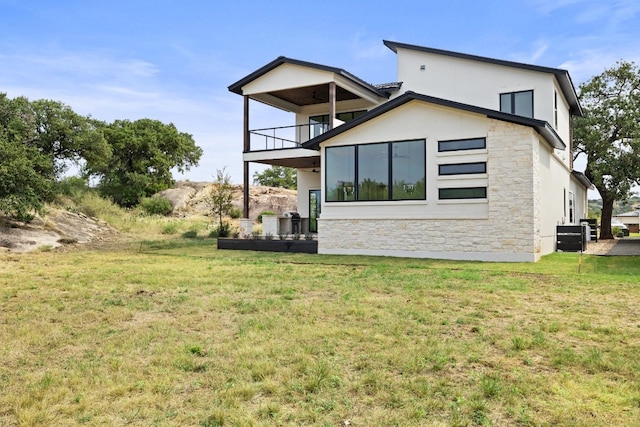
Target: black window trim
{"x": 440, "y": 173}
{"x": 481, "y": 138}
{"x": 389, "y": 172}
{"x": 462, "y": 198}
{"x": 512, "y": 107}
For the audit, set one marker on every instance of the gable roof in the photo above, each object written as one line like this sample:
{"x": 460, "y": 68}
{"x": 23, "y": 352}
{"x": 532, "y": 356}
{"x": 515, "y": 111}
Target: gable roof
{"x": 237, "y": 86}
{"x": 542, "y": 127}
{"x": 562, "y": 76}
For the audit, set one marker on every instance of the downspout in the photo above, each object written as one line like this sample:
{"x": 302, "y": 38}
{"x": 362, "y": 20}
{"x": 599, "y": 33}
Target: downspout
{"x": 332, "y": 104}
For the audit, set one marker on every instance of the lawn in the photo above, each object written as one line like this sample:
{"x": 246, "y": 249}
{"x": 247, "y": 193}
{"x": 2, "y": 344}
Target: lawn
{"x": 177, "y": 333}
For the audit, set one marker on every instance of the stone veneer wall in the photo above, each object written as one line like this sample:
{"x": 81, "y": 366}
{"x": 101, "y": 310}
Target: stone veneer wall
{"x": 510, "y": 233}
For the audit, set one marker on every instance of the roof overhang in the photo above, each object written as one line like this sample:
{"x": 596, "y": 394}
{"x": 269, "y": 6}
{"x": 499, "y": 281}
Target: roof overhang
{"x": 583, "y": 180}
{"x": 292, "y": 98}
{"x": 562, "y": 76}
{"x": 541, "y": 126}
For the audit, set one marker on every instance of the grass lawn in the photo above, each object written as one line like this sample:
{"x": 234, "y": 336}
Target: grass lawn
{"x": 178, "y": 333}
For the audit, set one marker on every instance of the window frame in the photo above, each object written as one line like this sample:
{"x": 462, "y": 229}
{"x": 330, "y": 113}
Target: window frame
{"x": 445, "y": 165}
{"x": 483, "y": 196}
{"x": 390, "y": 172}
{"x": 323, "y": 120}
{"x": 442, "y": 144}
{"x": 512, "y": 103}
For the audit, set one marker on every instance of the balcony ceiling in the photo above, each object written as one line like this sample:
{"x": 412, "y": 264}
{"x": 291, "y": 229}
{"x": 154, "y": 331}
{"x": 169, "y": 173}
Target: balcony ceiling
{"x": 297, "y": 162}
{"x": 311, "y": 95}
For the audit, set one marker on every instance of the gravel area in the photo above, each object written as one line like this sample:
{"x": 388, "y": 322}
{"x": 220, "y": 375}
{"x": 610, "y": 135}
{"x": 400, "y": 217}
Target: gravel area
{"x": 629, "y": 246}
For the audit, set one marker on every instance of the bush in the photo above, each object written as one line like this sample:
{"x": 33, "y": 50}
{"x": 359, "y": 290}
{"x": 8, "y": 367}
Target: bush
{"x": 171, "y": 228}
{"x": 264, "y": 213}
{"x": 222, "y": 231}
{"x": 156, "y": 206}
{"x": 235, "y": 213}
{"x": 191, "y": 234}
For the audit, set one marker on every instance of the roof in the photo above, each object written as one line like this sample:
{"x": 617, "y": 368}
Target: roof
{"x": 541, "y": 126}
{"x": 562, "y": 76}
{"x": 237, "y": 86}
{"x": 630, "y": 214}
{"x": 582, "y": 178}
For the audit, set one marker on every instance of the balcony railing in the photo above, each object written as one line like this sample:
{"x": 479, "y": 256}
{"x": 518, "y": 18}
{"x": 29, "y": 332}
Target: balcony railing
{"x": 284, "y": 137}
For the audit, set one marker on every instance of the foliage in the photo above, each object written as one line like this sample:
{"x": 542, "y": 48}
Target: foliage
{"x": 26, "y": 178}
{"x": 277, "y": 176}
{"x": 235, "y": 213}
{"x": 144, "y": 153}
{"x": 609, "y": 135}
{"x": 156, "y": 206}
{"x": 223, "y": 230}
{"x": 190, "y": 234}
{"x": 220, "y": 197}
{"x": 260, "y": 215}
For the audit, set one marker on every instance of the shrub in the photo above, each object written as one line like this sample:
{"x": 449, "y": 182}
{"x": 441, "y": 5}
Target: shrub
{"x": 156, "y": 206}
{"x": 171, "y": 228}
{"x": 235, "y": 213}
{"x": 191, "y": 234}
{"x": 264, "y": 213}
{"x": 223, "y": 230}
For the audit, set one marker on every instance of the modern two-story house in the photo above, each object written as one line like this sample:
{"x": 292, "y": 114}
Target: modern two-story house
{"x": 463, "y": 157}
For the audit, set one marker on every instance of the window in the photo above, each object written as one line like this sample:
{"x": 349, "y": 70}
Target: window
{"x": 462, "y": 168}
{"x": 376, "y": 172}
{"x": 320, "y": 124}
{"x": 341, "y": 173}
{"x": 462, "y": 144}
{"x": 519, "y": 103}
{"x": 555, "y": 109}
{"x": 462, "y": 193}
{"x": 571, "y": 207}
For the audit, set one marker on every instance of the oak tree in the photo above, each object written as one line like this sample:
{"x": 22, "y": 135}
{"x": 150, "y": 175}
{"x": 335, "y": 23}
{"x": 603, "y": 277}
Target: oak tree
{"x": 609, "y": 135}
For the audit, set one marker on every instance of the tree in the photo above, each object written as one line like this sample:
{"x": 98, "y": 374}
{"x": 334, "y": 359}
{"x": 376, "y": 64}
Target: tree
{"x": 143, "y": 154}
{"x": 220, "y": 198}
{"x": 277, "y": 176}
{"x": 26, "y": 178}
{"x": 609, "y": 135}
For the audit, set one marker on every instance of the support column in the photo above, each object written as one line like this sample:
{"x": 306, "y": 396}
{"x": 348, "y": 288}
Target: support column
{"x": 247, "y": 148}
{"x": 332, "y": 103}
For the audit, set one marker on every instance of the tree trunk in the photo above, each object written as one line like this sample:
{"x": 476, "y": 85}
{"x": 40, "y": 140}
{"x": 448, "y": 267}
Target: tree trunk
{"x": 605, "y": 218}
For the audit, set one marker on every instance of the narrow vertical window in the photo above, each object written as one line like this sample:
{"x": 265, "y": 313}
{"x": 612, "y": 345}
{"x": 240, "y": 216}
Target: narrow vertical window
{"x": 555, "y": 109}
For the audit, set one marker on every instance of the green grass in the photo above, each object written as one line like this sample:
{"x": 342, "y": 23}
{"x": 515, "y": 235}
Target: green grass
{"x": 173, "y": 332}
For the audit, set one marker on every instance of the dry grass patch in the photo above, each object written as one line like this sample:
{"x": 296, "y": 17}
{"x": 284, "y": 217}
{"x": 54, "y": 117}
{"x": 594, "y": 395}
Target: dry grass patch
{"x": 182, "y": 334}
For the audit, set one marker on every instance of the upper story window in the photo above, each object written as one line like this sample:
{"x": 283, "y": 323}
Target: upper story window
{"x": 376, "y": 172}
{"x": 555, "y": 109}
{"x": 320, "y": 124}
{"x": 519, "y": 103}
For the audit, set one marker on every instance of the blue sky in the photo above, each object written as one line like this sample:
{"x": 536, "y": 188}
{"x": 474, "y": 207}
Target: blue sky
{"x": 173, "y": 60}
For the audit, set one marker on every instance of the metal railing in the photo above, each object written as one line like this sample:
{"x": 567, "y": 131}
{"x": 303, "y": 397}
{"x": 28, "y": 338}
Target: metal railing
{"x": 284, "y": 137}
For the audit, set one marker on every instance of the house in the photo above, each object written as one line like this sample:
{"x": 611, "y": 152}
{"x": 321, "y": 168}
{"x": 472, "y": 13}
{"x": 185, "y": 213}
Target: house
{"x": 630, "y": 219}
{"x": 462, "y": 157}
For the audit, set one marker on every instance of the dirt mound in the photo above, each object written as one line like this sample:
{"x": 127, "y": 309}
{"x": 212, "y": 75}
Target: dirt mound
{"x": 191, "y": 198}
{"x": 57, "y": 228}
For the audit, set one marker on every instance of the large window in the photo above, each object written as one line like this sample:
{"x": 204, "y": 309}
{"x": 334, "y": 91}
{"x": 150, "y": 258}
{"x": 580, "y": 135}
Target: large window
{"x": 381, "y": 171}
{"x": 320, "y": 124}
{"x": 519, "y": 103}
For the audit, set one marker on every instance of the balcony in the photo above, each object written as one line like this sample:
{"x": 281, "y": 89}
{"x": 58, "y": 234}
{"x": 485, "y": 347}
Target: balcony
{"x": 284, "y": 137}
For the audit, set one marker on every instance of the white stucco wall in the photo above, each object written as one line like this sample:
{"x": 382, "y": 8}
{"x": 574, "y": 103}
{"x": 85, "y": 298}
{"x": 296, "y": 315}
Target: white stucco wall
{"x": 479, "y": 83}
{"x": 307, "y": 180}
